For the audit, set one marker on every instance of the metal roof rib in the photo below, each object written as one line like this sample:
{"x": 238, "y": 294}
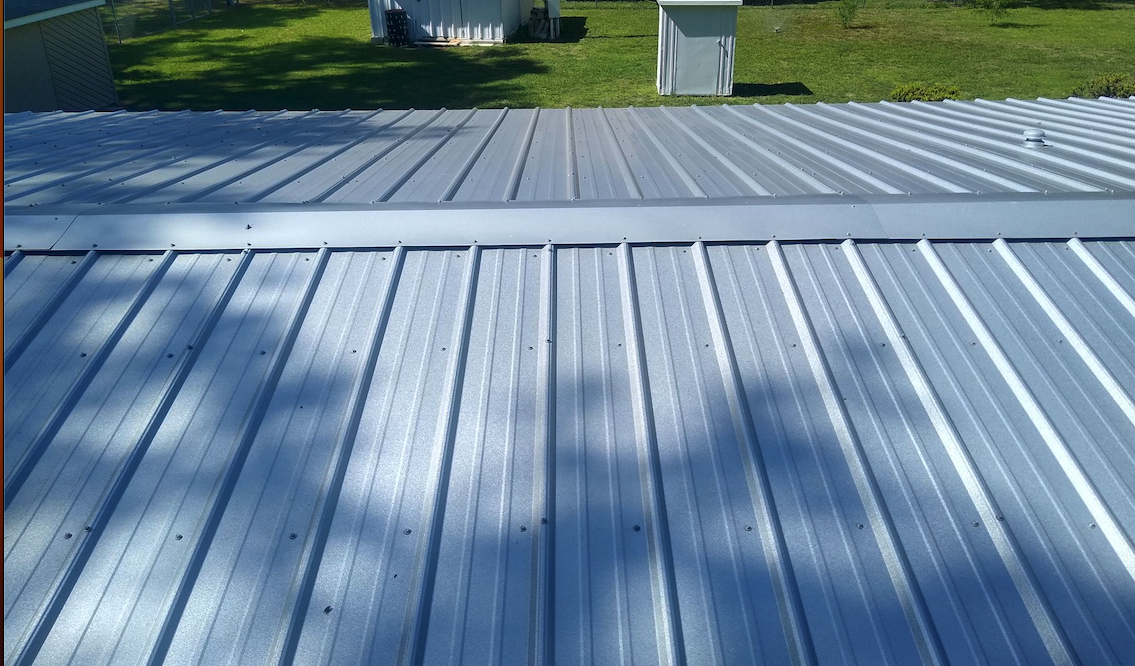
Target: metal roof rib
{"x": 833, "y": 384}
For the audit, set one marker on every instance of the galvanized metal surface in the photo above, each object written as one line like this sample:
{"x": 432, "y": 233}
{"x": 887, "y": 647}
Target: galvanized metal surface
{"x": 711, "y": 453}
{"x": 561, "y": 155}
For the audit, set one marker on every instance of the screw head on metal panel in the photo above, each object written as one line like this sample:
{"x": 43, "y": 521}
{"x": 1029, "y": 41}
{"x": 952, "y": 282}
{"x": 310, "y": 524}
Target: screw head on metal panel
{"x": 248, "y": 226}
{"x": 83, "y": 355}
{"x": 523, "y": 528}
{"x": 859, "y": 525}
{"x": 637, "y": 528}
{"x": 1092, "y": 525}
{"x": 169, "y": 355}
{"x": 178, "y": 537}
{"x": 976, "y": 524}
{"x": 407, "y": 530}
{"x": 95, "y": 245}
{"x": 327, "y": 610}
{"x": 748, "y": 528}
{"x": 543, "y": 521}
{"x": 87, "y": 528}
{"x": 67, "y": 535}
{"x": 292, "y": 535}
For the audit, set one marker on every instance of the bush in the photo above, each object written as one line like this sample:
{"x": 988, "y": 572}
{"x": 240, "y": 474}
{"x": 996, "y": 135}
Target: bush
{"x": 924, "y": 93}
{"x": 994, "y": 9}
{"x": 847, "y": 10}
{"x": 1106, "y": 85}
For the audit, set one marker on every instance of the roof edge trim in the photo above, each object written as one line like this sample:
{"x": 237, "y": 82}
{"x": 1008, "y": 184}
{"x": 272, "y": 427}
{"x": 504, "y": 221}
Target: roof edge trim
{"x": 52, "y": 13}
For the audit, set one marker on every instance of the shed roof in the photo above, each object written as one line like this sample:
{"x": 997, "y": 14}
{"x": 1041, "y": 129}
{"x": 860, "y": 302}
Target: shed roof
{"x": 732, "y": 450}
{"x": 19, "y": 12}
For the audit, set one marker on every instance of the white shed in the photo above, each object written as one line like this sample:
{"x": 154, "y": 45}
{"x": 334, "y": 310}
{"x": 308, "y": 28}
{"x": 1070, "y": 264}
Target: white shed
{"x": 470, "y": 21}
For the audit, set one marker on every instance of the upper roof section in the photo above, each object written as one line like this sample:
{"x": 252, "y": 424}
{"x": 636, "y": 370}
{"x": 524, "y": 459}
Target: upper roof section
{"x": 948, "y": 170}
{"x": 19, "y": 12}
{"x": 556, "y": 155}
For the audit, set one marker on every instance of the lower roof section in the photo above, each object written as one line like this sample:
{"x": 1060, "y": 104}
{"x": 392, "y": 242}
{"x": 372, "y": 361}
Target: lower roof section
{"x": 857, "y": 452}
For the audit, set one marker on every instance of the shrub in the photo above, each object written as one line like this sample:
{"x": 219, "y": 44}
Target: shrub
{"x": 1106, "y": 85}
{"x": 924, "y": 93}
{"x": 847, "y": 10}
{"x": 994, "y": 9}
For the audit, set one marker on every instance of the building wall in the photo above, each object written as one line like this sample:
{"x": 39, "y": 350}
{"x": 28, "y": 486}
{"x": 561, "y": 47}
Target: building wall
{"x": 63, "y": 65}
{"x": 474, "y": 20}
{"x": 27, "y": 85}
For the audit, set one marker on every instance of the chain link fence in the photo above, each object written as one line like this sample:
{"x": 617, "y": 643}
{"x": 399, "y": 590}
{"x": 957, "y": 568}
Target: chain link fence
{"x": 126, "y": 19}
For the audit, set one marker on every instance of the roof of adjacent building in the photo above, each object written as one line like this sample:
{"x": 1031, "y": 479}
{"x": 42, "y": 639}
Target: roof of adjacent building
{"x": 875, "y": 427}
{"x": 35, "y": 10}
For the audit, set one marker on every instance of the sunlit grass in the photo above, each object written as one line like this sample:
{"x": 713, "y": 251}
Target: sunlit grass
{"x": 308, "y": 56}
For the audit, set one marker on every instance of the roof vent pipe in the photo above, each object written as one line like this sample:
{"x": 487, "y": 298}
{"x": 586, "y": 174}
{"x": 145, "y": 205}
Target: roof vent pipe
{"x": 1034, "y": 138}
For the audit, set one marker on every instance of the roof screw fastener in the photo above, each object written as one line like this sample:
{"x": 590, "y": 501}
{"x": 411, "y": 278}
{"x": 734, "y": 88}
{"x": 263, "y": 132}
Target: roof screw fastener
{"x": 169, "y": 355}
{"x": 178, "y": 537}
{"x": 407, "y": 530}
{"x": 95, "y": 245}
{"x": 262, "y": 352}
{"x": 292, "y": 535}
{"x": 1034, "y": 138}
{"x": 543, "y": 521}
{"x": 67, "y": 535}
{"x": 248, "y": 226}
{"x": 637, "y": 528}
{"x": 523, "y": 528}
{"x": 976, "y": 524}
{"x": 748, "y": 528}
{"x": 83, "y": 355}
{"x": 327, "y": 610}
{"x": 87, "y": 528}
{"x": 1092, "y": 525}
{"x": 1001, "y": 518}
{"x": 859, "y": 525}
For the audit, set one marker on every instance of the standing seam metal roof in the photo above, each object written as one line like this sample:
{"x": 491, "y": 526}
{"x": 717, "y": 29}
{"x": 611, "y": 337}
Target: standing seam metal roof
{"x": 821, "y": 451}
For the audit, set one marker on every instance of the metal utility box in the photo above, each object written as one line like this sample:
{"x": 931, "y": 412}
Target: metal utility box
{"x": 696, "y": 41}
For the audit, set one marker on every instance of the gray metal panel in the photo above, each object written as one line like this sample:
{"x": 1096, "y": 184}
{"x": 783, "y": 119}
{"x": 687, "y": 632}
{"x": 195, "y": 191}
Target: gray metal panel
{"x": 358, "y": 157}
{"x": 785, "y": 452}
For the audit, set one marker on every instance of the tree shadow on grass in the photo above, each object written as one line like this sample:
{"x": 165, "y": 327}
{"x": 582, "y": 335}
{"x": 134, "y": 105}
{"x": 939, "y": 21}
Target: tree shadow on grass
{"x": 226, "y": 71}
{"x": 770, "y": 89}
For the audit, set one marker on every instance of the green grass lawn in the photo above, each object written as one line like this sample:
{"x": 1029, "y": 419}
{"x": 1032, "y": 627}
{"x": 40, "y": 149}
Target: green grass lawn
{"x": 307, "y": 56}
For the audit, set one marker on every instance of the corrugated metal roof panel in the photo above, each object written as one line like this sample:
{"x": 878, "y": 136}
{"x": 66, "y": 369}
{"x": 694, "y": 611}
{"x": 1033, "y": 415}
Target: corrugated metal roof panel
{"x": 556, "y": 155}
{"x": 728, "y": 453}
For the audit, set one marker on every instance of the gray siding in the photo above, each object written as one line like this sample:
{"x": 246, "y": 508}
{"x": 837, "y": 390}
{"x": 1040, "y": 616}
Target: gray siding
{"x": 63, "y": 65}
{"x": 27, "y": 87}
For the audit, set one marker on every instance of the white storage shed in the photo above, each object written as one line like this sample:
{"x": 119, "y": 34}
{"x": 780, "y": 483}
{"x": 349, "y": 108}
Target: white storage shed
{"x": 469, "y": 21}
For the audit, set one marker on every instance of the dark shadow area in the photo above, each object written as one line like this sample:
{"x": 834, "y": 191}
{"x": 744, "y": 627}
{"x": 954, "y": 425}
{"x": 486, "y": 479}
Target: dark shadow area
{"x": 572, "y": 29}
{"x": 1018, "y": 26}
{"x": 328, "y": 73}
{"x": 770, "y": 89}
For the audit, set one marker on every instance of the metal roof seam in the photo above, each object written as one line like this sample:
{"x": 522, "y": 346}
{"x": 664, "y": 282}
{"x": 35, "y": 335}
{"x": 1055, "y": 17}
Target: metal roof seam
{"x": 459, "y": 178}
{"x": 202, "y": 541}
{"x": 57, "y": 597}
{"x": 1084, "y": 486}
{"x": 789, "y": 602}
{"x": 695, "y": 189}
{"x": 17, "y": 348}
{"x": 898, "y": 565}
{"x": 665, "y": 588}
{"x": 976, "y": 486}
{"x": 1103, "y": 274}
{"x": 221, "y": 184}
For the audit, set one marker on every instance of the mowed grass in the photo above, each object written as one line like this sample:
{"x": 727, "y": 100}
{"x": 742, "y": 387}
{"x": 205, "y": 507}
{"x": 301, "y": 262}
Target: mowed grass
{"x": 305, "y": 56}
